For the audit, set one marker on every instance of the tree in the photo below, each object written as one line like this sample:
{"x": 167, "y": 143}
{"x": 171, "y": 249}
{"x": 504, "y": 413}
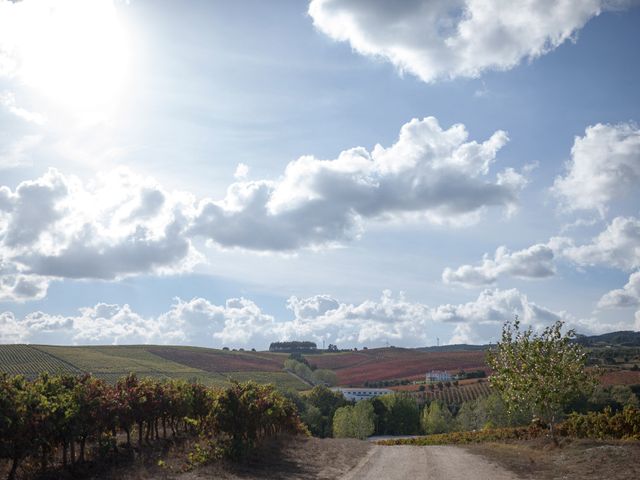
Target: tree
{"x": 402, "y": 415}
{"x": 356, "y": 421}
{"x": 541, "y": 371}
{"x": 326, "y": 402}
{"x": 436, "y": 418}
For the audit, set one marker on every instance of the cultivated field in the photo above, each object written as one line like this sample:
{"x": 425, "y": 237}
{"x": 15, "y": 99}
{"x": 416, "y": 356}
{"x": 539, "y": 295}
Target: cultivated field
{"x": 208, "y": 366}
{"x": 453, "y": 394}
{"x": 355, "y": 368}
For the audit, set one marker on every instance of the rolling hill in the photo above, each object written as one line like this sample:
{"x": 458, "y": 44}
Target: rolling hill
{"x": 212, "y": 366}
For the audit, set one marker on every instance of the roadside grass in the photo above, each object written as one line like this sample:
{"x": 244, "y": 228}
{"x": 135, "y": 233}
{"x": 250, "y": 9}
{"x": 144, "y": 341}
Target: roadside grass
{"x": 477, "y": 436}
{"x": 570, "y": 459}
{"x": 531, "y": 453}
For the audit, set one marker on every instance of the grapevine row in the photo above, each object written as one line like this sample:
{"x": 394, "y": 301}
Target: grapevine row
{"x": 57, "y": 416}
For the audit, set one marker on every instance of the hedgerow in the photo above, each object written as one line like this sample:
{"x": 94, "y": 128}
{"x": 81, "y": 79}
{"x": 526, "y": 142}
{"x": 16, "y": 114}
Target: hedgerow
{"x": 56, "y": 416}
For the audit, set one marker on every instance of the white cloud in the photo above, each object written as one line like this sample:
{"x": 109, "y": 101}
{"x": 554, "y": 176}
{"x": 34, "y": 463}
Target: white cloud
{"x": 604, "y": 165}
{"x": 627, "y": 296}
{"x": 119, "y": 224}
{"x": 239, "y": 322}
{"x": 116, "y": 225}
{"x": 618, "y": 246}
{"x": 17, "y": 153}
{"x": 429, "y": 172}
{"x": 533, "y": 262}
{"x": 241, "y": 172}
{"x": 8, "y": 100}
{"x": 440, "y": 39}
{"x": 11, "y": 329}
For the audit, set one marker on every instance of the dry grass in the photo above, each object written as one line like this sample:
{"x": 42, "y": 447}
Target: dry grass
{"x": 285, "y": 459}
{"x": 569, "y": 460}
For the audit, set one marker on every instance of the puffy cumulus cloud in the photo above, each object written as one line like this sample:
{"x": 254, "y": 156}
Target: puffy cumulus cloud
{"x": 430, "y": 172}
{"x": 390, "y": 318}
{"x": 533, "y": 262}
{"x": 115, "y": 225}
{"x": 441, "y": 39}
{"x": 480, "y": 321}
{"x": 604, "y": 165}
{"x": 11, "y": 330}
{"x": 617, "y": 246}
{"x": 239, "y": 322}
{"x": 16, "y": 286}
{"x": 120, "y": 224}
{"x": 627, "y": 296}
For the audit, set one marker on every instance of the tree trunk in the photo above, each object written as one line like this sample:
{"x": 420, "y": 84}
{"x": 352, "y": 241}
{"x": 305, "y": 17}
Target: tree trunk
{"x": 140, "y": 427}
{"x": 65, "y": 449}
{"x": 43, "y": 458}
{"x": 149, "y": 431}
{"x": 126, "y": 430}
{"x": 14, "y": 468}
{"x": 73, "y": 452}
{"x": 83, "y": 441}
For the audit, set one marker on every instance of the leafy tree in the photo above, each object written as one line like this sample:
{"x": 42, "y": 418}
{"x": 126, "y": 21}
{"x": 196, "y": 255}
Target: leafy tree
{"x": 327, "y": 402}
{"x": 356, "y": 421}
{"x": 402, "y": 416}
{"x": 542, "y": 371}
{"x": 469, "y": 417}
{"x": 436, "y": 418}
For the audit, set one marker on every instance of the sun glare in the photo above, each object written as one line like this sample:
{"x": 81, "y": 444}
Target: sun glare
{"x": 74, "y": 53}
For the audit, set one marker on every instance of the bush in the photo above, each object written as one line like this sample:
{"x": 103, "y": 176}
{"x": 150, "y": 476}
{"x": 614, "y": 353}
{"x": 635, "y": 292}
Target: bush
{"x": 244, "y": 414}
{"x": 624, "y": 424}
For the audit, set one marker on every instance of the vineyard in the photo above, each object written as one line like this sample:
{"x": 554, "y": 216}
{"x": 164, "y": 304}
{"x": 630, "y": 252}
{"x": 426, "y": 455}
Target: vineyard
{"x": 63, "y": 420}
{"x": 355, "y": 368}
{"x": 28, "y": 361}
{"x": 217, "y": 367}
{"x": 207, "y": 366}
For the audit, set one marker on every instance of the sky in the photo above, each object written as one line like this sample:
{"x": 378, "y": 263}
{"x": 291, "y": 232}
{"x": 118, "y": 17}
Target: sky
{"x": 355, "y": 172}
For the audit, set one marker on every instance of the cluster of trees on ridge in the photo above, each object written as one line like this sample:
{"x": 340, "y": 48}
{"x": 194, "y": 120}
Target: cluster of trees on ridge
{"x": 293, "y": 346}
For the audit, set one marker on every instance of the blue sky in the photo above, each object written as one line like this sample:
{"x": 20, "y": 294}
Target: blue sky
{"x": 207, "y": 172}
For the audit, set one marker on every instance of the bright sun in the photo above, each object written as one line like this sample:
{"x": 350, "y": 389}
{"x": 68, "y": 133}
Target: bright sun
{"x": 73, "y": 52}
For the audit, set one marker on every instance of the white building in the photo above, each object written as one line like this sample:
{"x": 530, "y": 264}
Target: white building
{"x": 435, "y": 376}
{"x": 357, "y": 394}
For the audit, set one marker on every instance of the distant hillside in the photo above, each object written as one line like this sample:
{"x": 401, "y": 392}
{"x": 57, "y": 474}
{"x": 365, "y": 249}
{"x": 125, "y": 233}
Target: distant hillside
{"x": 453, "y": 348}
{"x": 213, "y": 366}
{"x": 625, "y": 338}
{"x": 376, "y": 364}
{"x": 209, "y": 366}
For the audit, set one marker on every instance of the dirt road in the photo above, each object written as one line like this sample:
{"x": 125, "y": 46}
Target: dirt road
{"x": 432, "y": 463}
